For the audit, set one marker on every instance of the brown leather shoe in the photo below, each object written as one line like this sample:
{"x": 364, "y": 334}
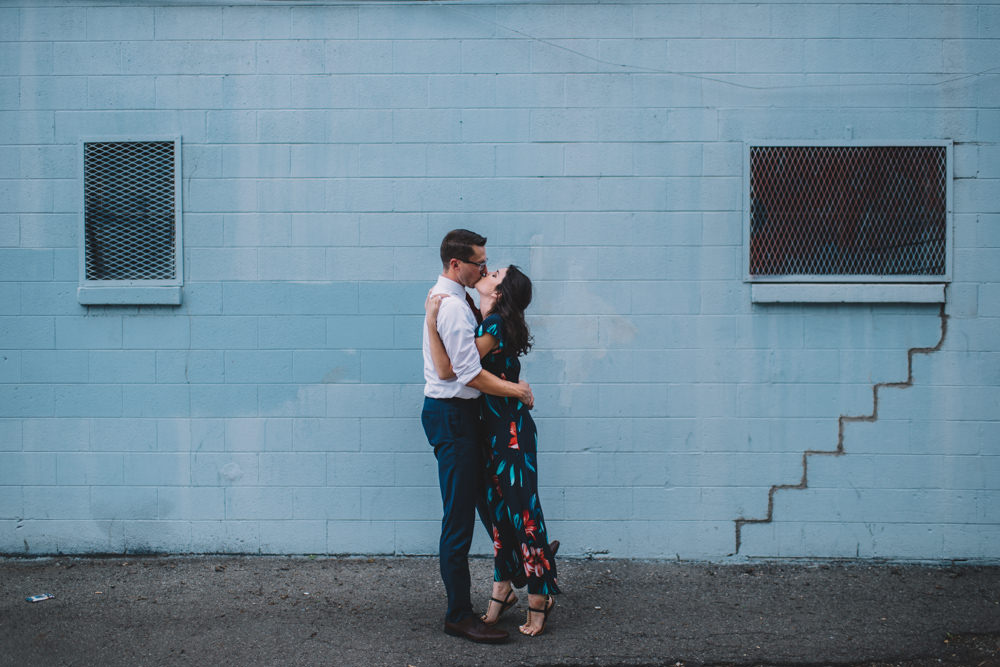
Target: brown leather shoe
{"x": 475, "y": 630}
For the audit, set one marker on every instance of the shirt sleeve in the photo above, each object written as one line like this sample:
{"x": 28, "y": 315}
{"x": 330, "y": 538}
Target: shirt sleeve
{"x": 456, "y": 326}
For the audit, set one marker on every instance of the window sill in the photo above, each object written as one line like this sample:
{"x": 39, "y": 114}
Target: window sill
{"x": 129, "y": 296}
{"x": 846, "y": 293}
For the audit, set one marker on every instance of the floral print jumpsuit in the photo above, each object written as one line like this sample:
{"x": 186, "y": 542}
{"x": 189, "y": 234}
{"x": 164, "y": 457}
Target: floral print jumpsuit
{"x": 519, "y": 537}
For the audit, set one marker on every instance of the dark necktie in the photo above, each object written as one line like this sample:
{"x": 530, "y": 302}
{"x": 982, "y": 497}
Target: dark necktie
{"x": 475, "y": 311}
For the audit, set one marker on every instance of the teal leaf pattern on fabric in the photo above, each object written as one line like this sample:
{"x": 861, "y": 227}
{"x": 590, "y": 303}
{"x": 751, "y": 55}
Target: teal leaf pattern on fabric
{"x": 520, "y": 539}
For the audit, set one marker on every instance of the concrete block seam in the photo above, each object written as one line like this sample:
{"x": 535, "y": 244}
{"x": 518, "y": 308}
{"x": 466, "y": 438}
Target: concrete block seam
{"x": 841, "y": 421}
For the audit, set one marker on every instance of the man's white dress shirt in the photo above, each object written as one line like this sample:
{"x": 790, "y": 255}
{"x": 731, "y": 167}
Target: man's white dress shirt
{"x": 457, "y": 327}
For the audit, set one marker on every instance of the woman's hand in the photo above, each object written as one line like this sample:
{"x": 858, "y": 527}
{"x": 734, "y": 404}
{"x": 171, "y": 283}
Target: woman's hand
{"x": 432, "y": 304}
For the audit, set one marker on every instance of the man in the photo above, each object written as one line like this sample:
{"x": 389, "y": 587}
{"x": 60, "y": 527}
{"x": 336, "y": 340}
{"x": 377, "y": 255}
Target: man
{"x": 451, "y": 421}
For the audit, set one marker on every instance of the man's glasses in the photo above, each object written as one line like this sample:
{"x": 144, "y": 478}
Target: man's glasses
{"x": 481, "y": 265}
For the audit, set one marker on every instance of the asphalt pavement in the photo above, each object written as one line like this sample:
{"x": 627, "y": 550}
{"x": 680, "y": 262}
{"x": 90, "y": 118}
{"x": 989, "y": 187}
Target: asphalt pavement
{"x": 256, "y": 610}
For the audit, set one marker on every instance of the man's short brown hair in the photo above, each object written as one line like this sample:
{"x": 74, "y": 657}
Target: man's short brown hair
{"x": 458, "y": 244}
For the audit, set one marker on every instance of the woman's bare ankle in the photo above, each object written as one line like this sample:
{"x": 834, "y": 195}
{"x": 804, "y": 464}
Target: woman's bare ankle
{"x": 502, "y": 592}
{"x": 535, "y": 622}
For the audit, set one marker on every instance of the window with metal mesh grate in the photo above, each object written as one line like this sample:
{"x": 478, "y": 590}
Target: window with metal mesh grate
{"x": 129, "y": 210}
{"x": 848, "y": 211}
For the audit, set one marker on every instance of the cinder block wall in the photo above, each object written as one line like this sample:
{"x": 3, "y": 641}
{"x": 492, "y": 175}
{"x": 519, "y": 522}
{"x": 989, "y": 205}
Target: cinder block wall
{"x": 326, "y": 150}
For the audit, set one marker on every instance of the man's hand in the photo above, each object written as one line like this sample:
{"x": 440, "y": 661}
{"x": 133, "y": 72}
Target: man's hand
{"x": 490, "y": 384}
{"x": 527, "y": 397}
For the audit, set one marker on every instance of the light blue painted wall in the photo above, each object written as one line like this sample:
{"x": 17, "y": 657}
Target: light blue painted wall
{"x": 326, "y": 150}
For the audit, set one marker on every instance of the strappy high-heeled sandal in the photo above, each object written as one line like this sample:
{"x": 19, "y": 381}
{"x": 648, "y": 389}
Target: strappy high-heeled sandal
{"x": 505, "y": 604}
{"x": 550, "y": 604}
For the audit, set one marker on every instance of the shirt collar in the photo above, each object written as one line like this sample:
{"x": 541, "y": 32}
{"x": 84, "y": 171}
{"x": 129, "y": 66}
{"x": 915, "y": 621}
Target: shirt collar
{"x": 449, "y": 286}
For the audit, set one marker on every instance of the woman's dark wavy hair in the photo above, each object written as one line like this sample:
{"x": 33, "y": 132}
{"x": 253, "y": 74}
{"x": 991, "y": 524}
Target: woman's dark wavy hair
{"x": 515, "y": 296}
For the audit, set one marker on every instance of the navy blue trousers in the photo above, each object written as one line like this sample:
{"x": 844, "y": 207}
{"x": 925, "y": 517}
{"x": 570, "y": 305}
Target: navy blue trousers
{"x": 454, "y": 429}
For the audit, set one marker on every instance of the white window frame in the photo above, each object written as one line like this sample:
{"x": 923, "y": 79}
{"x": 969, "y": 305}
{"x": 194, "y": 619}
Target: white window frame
{"x": 132, "y": 292}
{"x": 849, "y": 288}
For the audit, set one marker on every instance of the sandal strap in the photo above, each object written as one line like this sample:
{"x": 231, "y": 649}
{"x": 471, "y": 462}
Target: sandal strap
{"x": 505, "y": 604}
{"x": 506, "y": 600}
{"x": 549, "y": 606}
{"x": 547, "y": 610}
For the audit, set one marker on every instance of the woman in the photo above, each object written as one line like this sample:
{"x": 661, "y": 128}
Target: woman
{"x": 520, "y": 544}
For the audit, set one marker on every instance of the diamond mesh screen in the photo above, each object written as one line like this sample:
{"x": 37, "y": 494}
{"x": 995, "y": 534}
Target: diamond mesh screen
{"x": 129, "y": 216}
{"x": 848, "y": 210}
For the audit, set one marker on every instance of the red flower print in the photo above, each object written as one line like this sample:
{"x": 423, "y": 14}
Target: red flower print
{"x": 513, "y": 436}
{"x": 497, "y": 544}
{"x": 535, "y": 563}
{"x": 496, "y": 486}
{"x": 530, "y": 525}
